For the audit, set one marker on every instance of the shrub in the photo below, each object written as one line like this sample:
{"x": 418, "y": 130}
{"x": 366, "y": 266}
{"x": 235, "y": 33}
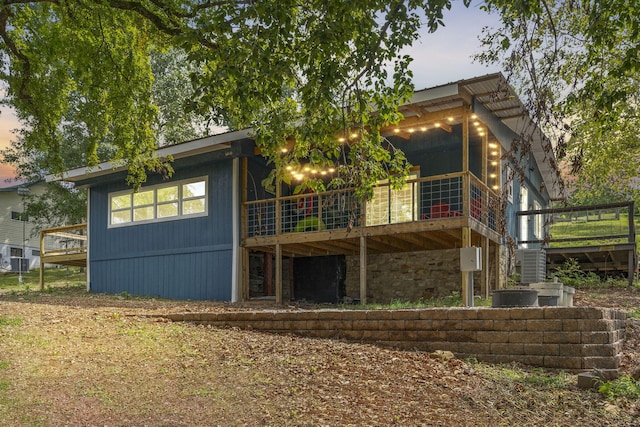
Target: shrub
{"x": 623, "y": 387}
{"x": 571, "y": 274}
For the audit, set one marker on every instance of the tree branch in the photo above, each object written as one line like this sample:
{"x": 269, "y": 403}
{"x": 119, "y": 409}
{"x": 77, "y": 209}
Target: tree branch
{"x": 23, "y": 93}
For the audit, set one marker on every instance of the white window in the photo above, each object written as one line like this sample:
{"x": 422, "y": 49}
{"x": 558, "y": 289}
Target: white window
{"x": 524, "y": 226}
{"x": 390, "y": 206}
{"x": 164, "y": 202}
{"x": 538, "y": 224}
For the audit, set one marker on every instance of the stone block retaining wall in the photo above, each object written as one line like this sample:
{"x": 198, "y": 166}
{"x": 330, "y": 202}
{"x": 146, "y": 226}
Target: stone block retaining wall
{"x": 410, "y": 276}
{"x": 570, "y": 338}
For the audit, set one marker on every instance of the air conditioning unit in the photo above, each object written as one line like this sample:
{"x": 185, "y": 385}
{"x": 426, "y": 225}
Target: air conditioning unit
{"x": 15, "y": 264}
{"x": 533, "y": 265}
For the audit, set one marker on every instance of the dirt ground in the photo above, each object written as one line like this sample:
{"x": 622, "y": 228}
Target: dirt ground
{"x": 81, "y": 360}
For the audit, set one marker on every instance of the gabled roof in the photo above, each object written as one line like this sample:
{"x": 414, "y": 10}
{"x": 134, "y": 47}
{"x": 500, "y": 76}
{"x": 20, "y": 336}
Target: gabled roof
{"x": 496, "y": 95}
{"x": 194, "y": 147}
{"x": 14, "y": 188}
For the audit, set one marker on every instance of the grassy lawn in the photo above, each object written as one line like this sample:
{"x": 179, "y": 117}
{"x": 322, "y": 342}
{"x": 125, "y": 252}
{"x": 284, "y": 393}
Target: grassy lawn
{"x": 54, "y": 278}
{"x": 79, "y": 362}
{"x": 591, "y": 227}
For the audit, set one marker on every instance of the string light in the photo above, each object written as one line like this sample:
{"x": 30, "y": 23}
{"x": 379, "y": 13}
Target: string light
{"x": 300, "y": 173}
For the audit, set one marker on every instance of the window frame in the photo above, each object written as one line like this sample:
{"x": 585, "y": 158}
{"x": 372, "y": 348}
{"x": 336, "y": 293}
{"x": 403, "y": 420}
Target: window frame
{"x": 180, "y": 200}
{"x": 15, "y": 252}
{"x": 19, "y": 216}
{"x": 391, "y": 204}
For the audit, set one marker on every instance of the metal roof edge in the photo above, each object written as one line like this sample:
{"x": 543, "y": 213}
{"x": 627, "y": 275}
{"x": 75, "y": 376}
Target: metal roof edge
{"x": 184, "y": 149}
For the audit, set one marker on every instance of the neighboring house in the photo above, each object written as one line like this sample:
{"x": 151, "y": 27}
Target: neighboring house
{"x": 212, "y": 232}
{"x": 16, "y": 230}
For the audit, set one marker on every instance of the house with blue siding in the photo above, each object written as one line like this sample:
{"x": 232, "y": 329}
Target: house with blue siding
{"x": 212, "y": 232}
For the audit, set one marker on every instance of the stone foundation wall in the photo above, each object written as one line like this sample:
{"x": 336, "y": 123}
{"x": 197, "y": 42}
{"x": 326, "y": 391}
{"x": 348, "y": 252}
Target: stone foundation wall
{"x": 410, "y": 276}
{"x": 570, "y": 338}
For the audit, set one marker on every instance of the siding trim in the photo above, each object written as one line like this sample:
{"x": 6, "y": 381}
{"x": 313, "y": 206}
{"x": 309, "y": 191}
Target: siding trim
{"x": 88, "y": 270}
{"x": 235, "y": 218}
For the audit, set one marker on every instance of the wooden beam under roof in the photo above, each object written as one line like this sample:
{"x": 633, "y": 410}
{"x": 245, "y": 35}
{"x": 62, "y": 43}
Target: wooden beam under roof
{"x": 426, "y": 118}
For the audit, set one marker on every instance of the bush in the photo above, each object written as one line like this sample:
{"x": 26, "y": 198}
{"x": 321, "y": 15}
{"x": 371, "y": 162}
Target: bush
{"x": 570, "y": 274}
{"x": 624, "y": 387}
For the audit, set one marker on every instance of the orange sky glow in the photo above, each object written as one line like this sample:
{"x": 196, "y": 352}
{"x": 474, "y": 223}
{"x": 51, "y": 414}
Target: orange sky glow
{"x": 8, "y": 122}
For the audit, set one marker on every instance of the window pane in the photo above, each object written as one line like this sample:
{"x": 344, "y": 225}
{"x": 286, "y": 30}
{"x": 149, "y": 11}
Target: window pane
{"x": 378, "y": 207}
{"x": 120, "y": 202}
{"x": 120, "y": 217}
{"x": 167, "y": 194}
{"x": 193, "y": 189}
{"x": 141, "y": 214}
{"x": 193, "y": 206}
{"x": 167, "y": 209}
{"x": 143, "y": 198}
{"x": 16, "y": 252}
{"x": 403, "y": 204}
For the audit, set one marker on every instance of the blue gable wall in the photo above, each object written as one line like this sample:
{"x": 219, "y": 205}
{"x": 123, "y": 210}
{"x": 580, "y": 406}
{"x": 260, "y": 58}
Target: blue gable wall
{"x": 180, "y": 259}
{"x": 532, "y": 179}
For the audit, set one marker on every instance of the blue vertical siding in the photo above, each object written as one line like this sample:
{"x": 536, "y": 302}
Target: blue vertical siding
{"x": 179, "y": 259}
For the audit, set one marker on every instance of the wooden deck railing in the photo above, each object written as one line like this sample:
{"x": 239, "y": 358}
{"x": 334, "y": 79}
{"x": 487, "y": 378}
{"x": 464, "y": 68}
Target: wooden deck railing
{"x": 65, "y": 245}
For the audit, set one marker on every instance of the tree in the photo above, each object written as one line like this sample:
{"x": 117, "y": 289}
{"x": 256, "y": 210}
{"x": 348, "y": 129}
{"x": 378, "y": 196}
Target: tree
{"x": 577, "y": 63}
{"x": 62, "y": 204}
{"x": 170, "y": 92}
{"x": 309, "y": 71}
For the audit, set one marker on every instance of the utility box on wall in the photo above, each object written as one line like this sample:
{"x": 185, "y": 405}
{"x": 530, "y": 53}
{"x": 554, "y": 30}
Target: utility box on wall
{"x": 471, "y": 259}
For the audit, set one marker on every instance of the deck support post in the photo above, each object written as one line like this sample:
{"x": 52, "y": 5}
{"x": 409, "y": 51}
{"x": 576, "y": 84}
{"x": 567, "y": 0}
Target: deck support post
{"x": 363, "y": 270}
{"x": 631, "y": 264}
{"x": 467, "y": 293}
{"x": 41, "y": 261}
{"x": 278, "y": 273}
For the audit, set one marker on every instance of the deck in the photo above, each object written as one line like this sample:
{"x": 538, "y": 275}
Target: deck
{"x": 601, "y": 238}
{"x": 432, "y": 213}
{"x": 69, "y": 245}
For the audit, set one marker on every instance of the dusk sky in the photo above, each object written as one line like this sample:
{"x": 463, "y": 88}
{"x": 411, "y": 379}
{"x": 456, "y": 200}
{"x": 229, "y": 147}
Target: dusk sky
{"x": 439, "y": 58}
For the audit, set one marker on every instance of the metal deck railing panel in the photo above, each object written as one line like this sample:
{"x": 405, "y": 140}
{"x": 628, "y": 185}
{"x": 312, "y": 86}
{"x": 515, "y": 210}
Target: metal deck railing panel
{"x": 603, "y": 224}
{"x": 429, "y": 198}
